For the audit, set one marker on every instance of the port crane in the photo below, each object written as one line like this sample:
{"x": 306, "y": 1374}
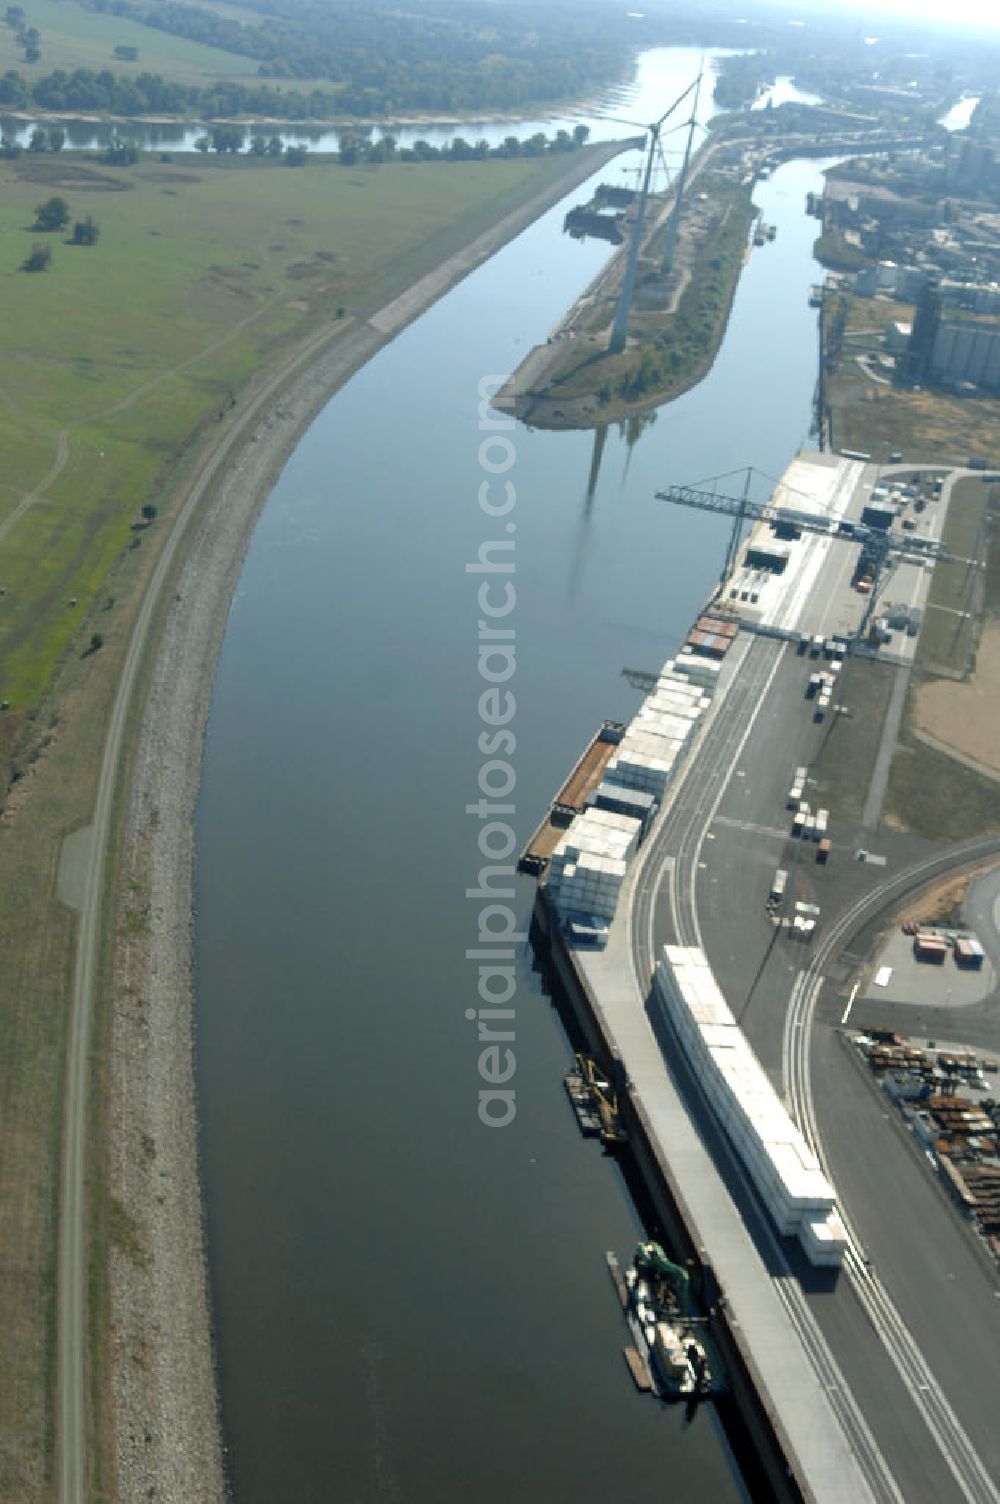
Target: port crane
{"x": 652, "y": 1263}
{"x": 605, "y": 1100}
{"x": 881, "y": 550}
{"x": 623, "y": 310}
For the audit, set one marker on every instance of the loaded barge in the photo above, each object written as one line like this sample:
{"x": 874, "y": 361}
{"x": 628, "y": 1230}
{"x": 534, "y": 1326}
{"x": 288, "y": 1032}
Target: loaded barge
{"x": 571, "y": 800}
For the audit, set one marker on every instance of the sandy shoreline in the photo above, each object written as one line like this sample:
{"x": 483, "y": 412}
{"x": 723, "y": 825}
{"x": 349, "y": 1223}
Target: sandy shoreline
{"x": 166, "y": 1433}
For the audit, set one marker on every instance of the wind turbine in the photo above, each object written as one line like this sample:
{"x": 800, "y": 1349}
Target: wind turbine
{"x": 619, "y": 329}
{"x": 675, "y": 216}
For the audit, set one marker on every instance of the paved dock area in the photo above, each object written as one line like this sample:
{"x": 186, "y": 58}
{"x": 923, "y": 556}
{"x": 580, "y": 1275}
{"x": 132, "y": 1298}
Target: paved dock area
{"x": 792, "y": 1394}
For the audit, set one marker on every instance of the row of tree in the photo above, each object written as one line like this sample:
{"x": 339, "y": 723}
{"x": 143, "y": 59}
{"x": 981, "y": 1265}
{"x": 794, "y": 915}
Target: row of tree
{"x": 53, "y": 139}
{"x": 359, "y": 146}
{"x": 84, "y": 91}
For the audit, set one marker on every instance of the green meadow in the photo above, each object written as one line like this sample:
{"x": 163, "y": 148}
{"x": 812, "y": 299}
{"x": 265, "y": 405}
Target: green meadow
{"x": 121, "y": 354}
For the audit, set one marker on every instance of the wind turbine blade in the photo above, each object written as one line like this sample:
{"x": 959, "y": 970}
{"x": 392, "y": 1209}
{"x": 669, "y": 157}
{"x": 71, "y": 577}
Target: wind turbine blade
{"x": 620, "y": 120}
{"x": 679, "y": 100}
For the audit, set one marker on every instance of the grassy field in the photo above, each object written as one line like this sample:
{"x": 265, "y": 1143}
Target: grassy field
{"x": 935, "y": 796}
{"x": 928, "y": 427}
{"x": 129, "y": 352}
{"x": 204, "y": 267}
{"x": 843, "y": 769}
{"x": 72, "y": 37}
{"x": 947, "y": 635}
{"x": 875, "y": 313}
{"x": 881, "y": 419}
{"x": 929, "y": 792}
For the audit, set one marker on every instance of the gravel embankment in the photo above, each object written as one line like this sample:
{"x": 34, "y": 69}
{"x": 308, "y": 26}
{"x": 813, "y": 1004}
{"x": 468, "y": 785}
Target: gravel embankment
{"x": 166, "y": 1424}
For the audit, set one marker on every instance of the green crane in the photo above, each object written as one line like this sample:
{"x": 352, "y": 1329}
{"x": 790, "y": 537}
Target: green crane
{"x": 651, "y": 1260}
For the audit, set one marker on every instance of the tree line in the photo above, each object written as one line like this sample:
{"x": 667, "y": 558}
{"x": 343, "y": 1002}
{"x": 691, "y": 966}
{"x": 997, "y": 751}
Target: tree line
{"x": 384, "y": 57}
{"x": 83, "y": 90}
{"x": 360, "y": 146}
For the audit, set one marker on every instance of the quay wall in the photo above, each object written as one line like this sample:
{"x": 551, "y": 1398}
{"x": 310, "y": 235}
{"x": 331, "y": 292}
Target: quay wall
{"x": 667, "y": 1201}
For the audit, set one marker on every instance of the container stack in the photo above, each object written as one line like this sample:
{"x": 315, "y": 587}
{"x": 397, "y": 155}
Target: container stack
{"x": 622, "y": 801}
{"x": 785, "y": 1172}
{"x": 651, "y": 749}
{"x": 703, "y": 672}
{"x": 588, "y": 866}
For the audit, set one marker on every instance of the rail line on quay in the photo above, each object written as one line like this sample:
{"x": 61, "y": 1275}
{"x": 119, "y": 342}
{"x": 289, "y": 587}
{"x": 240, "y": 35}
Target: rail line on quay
{"x": 718, "y": 752}
{"x": 684, "y": 829}
{"x": 967, "y": 1468}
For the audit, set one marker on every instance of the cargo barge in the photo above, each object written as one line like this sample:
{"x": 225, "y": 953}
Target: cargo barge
{"x": 571, "y": 800}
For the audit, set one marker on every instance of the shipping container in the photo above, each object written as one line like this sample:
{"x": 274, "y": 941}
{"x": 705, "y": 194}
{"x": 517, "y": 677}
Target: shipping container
{"x": 968, "y": 952}
{"x": 929, "y": 947}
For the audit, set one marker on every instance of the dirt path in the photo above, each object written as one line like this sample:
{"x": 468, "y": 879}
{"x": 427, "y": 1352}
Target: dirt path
{"x": 63, "y": 437}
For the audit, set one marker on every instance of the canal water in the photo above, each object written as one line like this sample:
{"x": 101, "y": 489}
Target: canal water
{"x": 410, "y": 1305}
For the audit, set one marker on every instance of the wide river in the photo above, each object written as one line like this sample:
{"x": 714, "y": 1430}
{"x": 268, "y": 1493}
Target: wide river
{"x": 409, "y": 1305}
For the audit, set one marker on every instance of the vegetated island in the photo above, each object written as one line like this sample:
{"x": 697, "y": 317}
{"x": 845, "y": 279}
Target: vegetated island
{"x": 679, "y": 312}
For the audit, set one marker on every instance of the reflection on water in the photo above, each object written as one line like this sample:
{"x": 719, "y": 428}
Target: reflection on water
{"x": 406, "y": 1303}
{"x": 958, "y": 117}
{"x": 661, "y": 72}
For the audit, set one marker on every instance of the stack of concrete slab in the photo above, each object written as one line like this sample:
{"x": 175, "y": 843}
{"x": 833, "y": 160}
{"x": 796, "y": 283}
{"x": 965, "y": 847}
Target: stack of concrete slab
{"x": 589, "y": 864}
{"x": 650, "y": 752}
{"x": 786, "y": 1173}
{"x": 636, "y": 766}
{"x": 623, "y": 801}
{"x": 702, "y": 672}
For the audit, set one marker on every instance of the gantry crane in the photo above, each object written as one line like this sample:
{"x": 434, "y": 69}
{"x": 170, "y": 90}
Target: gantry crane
{"x": 879, "y": 547}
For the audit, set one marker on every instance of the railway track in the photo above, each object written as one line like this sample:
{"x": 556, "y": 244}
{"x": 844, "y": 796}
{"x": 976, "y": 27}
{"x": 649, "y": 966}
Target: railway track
{"x": 672, "y": 858}
{"x": 968, "y": 1470}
